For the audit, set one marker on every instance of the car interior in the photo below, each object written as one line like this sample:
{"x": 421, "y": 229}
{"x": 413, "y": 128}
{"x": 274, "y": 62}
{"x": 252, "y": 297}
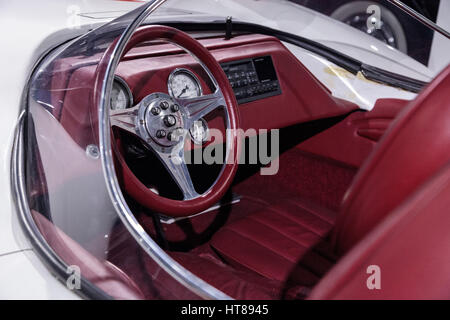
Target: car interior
{"x": 352, "y": 188}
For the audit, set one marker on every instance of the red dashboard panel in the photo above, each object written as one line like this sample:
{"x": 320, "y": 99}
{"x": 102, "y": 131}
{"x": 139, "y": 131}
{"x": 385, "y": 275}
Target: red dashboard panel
{"x": 353, "y": 139}
{"x": 146, "y": 70}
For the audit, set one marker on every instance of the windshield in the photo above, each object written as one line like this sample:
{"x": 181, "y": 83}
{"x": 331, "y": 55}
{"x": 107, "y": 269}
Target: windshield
{"x": 65, "y": 200}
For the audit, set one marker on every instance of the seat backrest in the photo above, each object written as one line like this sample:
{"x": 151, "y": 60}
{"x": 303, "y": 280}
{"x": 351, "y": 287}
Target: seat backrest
{"x": 406, "y": 256}
{"x": 415, "y": 147}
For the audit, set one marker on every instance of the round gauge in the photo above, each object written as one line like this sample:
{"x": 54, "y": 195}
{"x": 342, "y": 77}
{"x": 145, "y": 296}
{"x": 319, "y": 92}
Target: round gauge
{"x": 184, "y": 84}
{"x": 199, "y": 131}
{"x": 121, "y": 97}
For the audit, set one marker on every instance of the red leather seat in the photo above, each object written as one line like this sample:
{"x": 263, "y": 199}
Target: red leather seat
{"x": 272, "y": 241}
{"x": 410, "y": 248}
{"x": 415, "y": 148}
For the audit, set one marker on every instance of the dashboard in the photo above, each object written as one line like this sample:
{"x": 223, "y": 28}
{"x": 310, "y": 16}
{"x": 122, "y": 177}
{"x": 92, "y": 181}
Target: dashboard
{"x": 251, "y": 79}
{"x": 273, "y": 88}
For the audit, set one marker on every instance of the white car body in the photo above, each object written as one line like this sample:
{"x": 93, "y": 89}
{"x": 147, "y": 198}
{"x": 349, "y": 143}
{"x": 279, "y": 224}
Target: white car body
{"x": 34, "y": 26}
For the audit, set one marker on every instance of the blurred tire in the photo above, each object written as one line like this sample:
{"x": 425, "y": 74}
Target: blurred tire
{"x": 359, "y": 9}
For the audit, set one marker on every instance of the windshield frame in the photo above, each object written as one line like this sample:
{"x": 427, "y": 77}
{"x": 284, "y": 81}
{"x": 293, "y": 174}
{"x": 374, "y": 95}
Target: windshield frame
{"x": 19, "y": 162}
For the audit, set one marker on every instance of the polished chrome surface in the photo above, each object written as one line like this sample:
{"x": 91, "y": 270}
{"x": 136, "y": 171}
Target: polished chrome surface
{"x": 93, "y": 151}
{"x": 149, "y": 124}
{"x": 128, "y": 94}
{"x": 199, "y": 132}
{"x": 126, "y": 119}
{"x": 235, "y": 198}
{"x": 177, "y": 167}
{"x": 146, "y": 123}
{"x": 178, "y": 71}
{"x": 198, "y": 107}
{"x": 153, "y": 115}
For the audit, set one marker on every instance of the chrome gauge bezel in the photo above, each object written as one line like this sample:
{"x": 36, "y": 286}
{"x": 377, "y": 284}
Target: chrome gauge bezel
{"x": 129, "y": 94}
{"x": 177, "y": 71}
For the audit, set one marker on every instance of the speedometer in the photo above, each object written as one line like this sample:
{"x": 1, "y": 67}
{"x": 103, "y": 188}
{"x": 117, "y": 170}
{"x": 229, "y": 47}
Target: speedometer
{"x": 184, "y": 84}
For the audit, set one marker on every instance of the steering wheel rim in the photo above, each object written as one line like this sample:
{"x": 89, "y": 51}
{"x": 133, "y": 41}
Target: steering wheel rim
{"x": 133, "y": 120}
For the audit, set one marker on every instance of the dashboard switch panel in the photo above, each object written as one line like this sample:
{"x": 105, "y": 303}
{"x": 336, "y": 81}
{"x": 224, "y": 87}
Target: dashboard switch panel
{"x": 252, "y": 79}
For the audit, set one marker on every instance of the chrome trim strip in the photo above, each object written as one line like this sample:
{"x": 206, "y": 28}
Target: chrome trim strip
{"x": 424, "y": 20}
{"x": 178, "y": 272}
{"x": 170, "y": 220}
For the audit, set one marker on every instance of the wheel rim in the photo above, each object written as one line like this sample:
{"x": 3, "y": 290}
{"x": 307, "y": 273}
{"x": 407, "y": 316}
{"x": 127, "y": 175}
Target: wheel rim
{"x": 384, "y": 33}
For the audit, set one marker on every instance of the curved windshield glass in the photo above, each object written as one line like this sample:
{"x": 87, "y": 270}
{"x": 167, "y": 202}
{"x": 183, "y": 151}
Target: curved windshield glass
{"x": 66, "y": 199}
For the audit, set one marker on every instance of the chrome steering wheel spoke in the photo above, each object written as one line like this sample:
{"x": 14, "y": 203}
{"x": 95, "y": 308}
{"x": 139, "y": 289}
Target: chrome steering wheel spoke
{"x": 162, "y": 125}
{"x": 125, "y": 119}
{"x": 176, "y": 166}
{"x": 198, "y": 107}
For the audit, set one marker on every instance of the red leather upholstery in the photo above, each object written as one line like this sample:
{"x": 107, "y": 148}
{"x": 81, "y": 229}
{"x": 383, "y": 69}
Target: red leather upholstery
{"x": 415, "y": 147}
{"x": 352, "y": 140}
{"x": 411, "y": 247}
{"x": 273, "y": 241}
{"x": 233, "y": 282}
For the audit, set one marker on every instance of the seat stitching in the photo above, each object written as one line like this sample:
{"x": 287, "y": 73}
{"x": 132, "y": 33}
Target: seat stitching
{"x": 244, "y": 264}
{"x": 297, "y": 222}
{"x": 258, "y": 243}
{"x": 279, "y": 231}
{"x": 311, "y": 250}
{"x": 298, "y": 204}
{"x": 293, "y": 264}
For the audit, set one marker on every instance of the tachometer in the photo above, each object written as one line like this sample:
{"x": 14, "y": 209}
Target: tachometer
{"x": 184, "y": 84}
{"x": 121, "y": 97}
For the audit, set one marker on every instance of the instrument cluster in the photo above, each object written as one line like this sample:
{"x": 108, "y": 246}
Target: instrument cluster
{"x": 182, "y": 84}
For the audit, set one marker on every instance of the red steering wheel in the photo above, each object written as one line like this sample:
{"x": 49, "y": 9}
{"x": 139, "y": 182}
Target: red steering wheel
{"x": 159, "y": 110}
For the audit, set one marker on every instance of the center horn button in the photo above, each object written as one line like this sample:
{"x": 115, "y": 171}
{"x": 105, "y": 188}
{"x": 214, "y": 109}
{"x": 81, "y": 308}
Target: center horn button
{"x": 170, "y": 121}
{"x": 164, "y": 105}
{"x": 158, "y": 122}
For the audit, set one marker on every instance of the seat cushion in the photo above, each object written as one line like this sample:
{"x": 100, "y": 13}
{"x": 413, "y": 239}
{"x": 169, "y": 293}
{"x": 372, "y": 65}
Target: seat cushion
{"x": 409, "y": 250}
{"x": 284, "y": 242}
